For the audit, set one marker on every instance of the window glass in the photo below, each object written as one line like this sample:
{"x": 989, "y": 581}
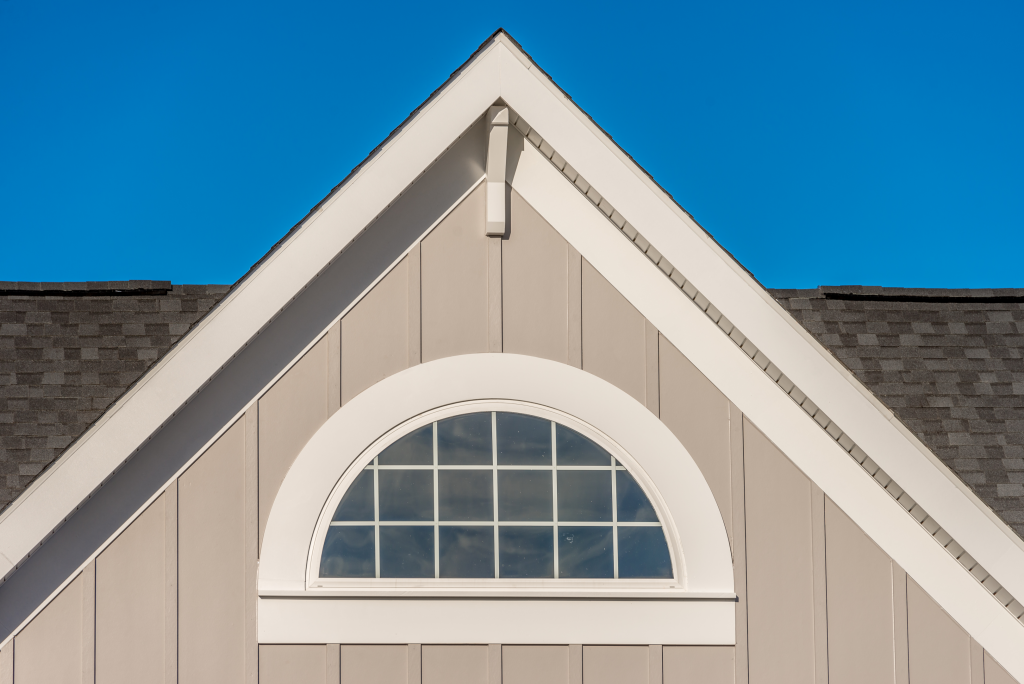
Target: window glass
{"x": 465, "y": 495}
{"x": 406, "y": 494}
{"x": 407, "y": 551}
{"x": 585, "y": 552}
{"x": 467, "y": 551}
{"x": 585, "y": 495}
{"x": 425, "y": 507}
{"x": 416, "y": 448}
{"x": 465, "y": 440}
{"x": 357, "y": 504}
{"x": 523, "y": 440}
{"x": 526, "y": 552}
{"x": 524, "y": 495}
{"x": 575, "y": 449}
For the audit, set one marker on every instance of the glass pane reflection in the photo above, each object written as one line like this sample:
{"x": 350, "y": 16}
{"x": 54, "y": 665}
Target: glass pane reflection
{"x": 407, "y": 551}
{"x": 525, "y": 552}
{"x": 523, "y": 440}
{"x": 465, "y": 440}
{"x": 643, "y": 553}
{"x": 357, "y": 503}
{"x": 525, "y": 495}
{"x": 467, "y": 551}
{"x": 585, "y": 495}
{"x": 416, "y": 448}
{"x": 576, "y": 450}
{"x": 348, "y": 552}
{"x": 585, "y": 552}
{"x": 465, "y": 495}
{"x": 406, "y": 494}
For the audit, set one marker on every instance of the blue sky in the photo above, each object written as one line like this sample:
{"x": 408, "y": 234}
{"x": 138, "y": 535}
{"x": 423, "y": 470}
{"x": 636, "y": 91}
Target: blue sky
{"x": 821, "y": 143}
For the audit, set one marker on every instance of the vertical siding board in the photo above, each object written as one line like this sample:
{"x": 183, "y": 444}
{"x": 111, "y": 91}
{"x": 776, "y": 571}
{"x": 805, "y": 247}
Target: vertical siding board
{"x": 89, "y": 623}
{"x": 901, "y": 646}
{"x": 290, "y": 413}
{"x": 455, "y": 664}
{"x": 494, "y": 663}
{"x": 994, "y": 672}
{"x": 334, "y": 368}
{"x": 780, "y": 581}
{"x": 7, "y": 663}
{"x": 333, "y": 667}
{"x": 495, "y": 329}
{"x": 171, "y": 583}
{"x": 379, "y": 664}
{"x": 615, "y": 664}
{"x": 534, "y": 665}
{"x": 575, "y": 289}
{"x": 820, "y": 579}
{"x": 453, "y": 279}
{"x": 375, "y": 334}
{"x": 652, "y": 384}
{"x": 861, "y": 638}
{"x": 130, "y": 602}
{"x": 251, "y": 540}
{"x": 739, "y": 540}
{"x": 575, "y": 664}
{"x": 415, "y": 675}
{"x": 49, "y": 648}
{"x": 699, "y": 415}
{"x": 212, "y": 563}
{"x": 614, "y": 336}
{"x": 977, "y": 663}
{"x": 699, "y": 664}
{"x": 535, "y": 286}
{"x": 293, "y": 664}
{"x": 415, "y": 332}
{"x": 940, "y": 651}
{"x": 655, "y": 664}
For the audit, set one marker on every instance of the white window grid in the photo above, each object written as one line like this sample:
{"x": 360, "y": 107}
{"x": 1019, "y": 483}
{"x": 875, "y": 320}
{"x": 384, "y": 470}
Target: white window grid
{"x": 612, "y": 467}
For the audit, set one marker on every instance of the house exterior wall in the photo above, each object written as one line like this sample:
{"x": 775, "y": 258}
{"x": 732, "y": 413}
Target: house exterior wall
{"x": 818, "y": 601}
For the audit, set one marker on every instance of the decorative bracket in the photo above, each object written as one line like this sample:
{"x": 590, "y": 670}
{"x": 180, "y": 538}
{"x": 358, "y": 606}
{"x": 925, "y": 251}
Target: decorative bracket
{"x": 497, "y": 151}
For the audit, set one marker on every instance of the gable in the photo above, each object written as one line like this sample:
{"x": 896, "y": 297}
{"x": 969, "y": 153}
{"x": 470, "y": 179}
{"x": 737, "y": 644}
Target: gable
{"x": 341, "y": 293}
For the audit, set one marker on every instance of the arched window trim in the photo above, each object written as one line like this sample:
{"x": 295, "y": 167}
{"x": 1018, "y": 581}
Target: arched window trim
{"x": 491, "y": 585}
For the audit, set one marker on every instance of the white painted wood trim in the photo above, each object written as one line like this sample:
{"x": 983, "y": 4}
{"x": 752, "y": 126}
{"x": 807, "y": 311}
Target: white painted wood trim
{"x": 693, "y": 525}
{"x": 364, "y": 621}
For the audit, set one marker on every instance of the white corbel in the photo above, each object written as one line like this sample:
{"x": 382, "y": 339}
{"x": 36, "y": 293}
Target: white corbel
{"x": 497, "y": 150}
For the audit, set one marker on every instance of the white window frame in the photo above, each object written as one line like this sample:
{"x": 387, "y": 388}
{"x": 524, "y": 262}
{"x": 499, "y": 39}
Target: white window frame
{"x": 366, "y": 460}
{"x": 698, "y": 609}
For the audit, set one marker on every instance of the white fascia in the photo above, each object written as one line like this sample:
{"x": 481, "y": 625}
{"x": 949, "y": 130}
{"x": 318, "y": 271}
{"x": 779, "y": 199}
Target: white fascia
{"x": 246, "y": 310}
{"x": 743, "y": 301}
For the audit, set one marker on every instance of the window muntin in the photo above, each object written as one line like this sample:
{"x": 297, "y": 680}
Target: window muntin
{"x": 425, "y": 507}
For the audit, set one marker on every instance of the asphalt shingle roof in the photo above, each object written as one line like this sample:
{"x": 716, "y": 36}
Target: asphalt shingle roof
{"x": 950, "y": 365}
{"x": 69, "y": 350}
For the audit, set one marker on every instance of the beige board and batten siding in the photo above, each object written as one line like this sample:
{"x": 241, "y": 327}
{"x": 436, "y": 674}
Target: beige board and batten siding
{"x": 373, "y": 664}
{"x": 453, "y": 272}
{"x": 131, "y": 575}
{"x": 614, "y": 336}
{"x": 780, "y": 583}
{"x": 290, "y": 413}
{"x": 535, "y": 286}
{"x": 49, "y": 649}
{"x": 212, "y": 563}
{"x": 699, "y": 664}
{"x": 698, "y": 414}
{"x": 534, "y": 664}
{"x": 860, "y": 604}
{"x": 458, "y": 664}
{"x": 293, "y": 664}
{"x": 375, "y": 333}
{"x": 615, "y": 664}
{"x": 940, "y": 651}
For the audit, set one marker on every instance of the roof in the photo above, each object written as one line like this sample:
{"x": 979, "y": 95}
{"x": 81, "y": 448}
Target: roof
{"x": 69, "y": 350}
{"x": 948, "y": 363}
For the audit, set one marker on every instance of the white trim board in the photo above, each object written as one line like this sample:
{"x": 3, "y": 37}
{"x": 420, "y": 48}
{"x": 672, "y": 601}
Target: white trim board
{"x": 501, "y": 70}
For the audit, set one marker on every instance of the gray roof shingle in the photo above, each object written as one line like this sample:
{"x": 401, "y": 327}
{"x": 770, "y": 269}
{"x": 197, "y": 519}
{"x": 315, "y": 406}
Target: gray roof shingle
{"x": 950, "y": 365}
{"x": 69, "y": 350}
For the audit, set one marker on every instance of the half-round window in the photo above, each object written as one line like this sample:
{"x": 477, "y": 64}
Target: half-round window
{"x": 495, "y": 494}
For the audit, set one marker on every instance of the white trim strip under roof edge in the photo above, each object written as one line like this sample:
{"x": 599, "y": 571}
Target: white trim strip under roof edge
{"x": 249, "y": 307}
{"x": 813, "y": 450}
{"x": 715, "y": 273}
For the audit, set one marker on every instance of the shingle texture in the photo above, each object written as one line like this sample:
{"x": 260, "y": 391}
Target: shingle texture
{"x": 69, "y": 350}
{"x": 949, "y": 363}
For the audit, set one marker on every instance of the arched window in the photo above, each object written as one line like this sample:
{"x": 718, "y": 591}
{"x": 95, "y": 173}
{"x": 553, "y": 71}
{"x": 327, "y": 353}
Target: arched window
{"x": 495, "y": 494}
